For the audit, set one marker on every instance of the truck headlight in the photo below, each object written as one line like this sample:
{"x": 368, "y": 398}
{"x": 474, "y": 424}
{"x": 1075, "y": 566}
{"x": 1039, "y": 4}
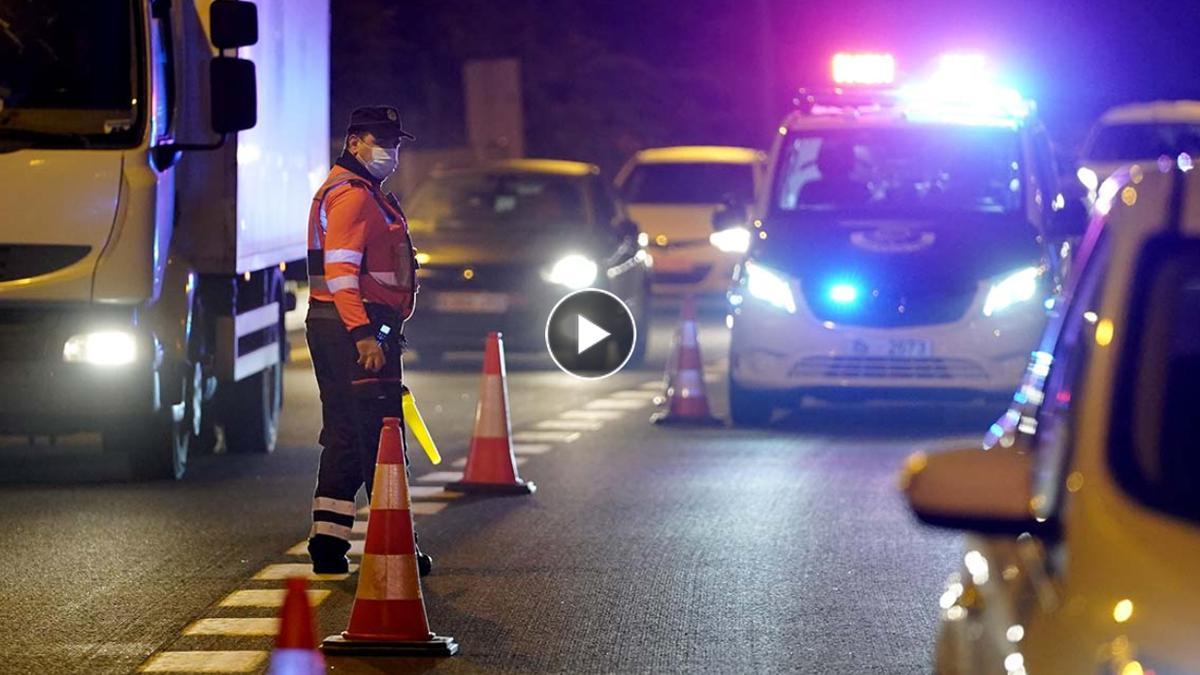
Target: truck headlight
{"x": 1014, "y": 289}
{"x": 732, "y": 240}
{"x": 574, "y": 272}
{"x": 770, "y": 286}
{"x": 102, "y": 348}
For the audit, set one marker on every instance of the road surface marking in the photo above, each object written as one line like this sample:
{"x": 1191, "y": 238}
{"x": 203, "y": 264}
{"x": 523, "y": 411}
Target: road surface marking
{"x": 234, "y": 626}
{"x": 419, "y": 492}
{"x": 546, "y": 436}
{"x": 531, "y": 448}
{"x": 205, "y": 662}
{"x": 603, "y": 415}
{"x": 655, "y": 385}
{"x": 360, "y": 527}
{"x": 299, "y": 354}
{"x": 459, "y": 463}
{"x": 281, "y": 571}
{"x": 272, "y": 597}
{"x": 440, "y": 477}
{"x": 633, "y": 394}
{"x": 571, "y": 425}
{"x": 617, "y": 404}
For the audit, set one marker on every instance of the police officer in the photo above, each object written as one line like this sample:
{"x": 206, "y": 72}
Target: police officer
{"x": 362, "y": 279}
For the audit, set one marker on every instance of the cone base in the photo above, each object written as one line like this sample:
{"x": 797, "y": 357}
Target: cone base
{"x": 665, "y": 417}
{"x": 521, "y": 487}
{"x": 438, "y": 645}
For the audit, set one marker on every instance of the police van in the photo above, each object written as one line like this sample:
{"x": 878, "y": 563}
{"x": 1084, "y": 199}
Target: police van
{"x": 912, "y": 236}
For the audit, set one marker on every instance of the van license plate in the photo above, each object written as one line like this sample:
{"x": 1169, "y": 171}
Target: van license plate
{"x": 906, "y": 348}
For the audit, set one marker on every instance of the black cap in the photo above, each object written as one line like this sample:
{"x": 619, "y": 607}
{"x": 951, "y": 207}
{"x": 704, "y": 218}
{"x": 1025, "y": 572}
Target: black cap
{"x": 380, "y": 120}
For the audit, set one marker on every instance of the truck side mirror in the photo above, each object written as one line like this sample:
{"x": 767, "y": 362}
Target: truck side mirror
{"x": 233, "y": 23}
{"x": 234, "y": 94}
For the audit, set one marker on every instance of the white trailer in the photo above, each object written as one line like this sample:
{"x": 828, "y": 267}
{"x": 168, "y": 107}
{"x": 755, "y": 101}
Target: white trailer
{"x": 147, "y": 219}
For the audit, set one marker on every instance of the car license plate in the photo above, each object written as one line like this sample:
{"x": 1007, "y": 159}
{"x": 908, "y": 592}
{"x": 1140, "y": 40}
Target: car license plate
{"x": 471, "y": 303}
{"x": 908, "y": 348}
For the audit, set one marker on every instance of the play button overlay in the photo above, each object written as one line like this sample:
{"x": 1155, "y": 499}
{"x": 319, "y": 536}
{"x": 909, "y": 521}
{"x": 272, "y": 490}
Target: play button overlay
{"x": 590, "y": 334}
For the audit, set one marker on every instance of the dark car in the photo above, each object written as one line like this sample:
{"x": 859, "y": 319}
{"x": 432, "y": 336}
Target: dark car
{"x": 500, "y": 244}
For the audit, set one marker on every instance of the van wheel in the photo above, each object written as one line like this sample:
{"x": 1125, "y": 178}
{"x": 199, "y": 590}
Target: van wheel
{"x": 157, "y": 445}
{"x": 251, "y": 408}
{"x": 750, "y": 408}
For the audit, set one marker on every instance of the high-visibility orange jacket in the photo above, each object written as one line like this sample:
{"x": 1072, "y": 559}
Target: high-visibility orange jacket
{"x": 359, "y": 250}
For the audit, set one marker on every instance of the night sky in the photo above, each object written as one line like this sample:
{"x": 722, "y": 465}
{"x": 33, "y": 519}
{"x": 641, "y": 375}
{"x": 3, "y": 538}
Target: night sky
{"x": 604, "y": 77}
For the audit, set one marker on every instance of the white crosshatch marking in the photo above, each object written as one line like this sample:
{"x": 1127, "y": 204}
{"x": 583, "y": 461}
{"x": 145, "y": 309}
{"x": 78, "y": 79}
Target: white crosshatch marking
{"x": 205, "y": 662}
{"x": 269, "y": 597}
{"x": 233, "y": 626}
{"x": 546, "y": 436}
{"x": 571, "y": 425}
{"x": 532, "y": 448}
{"x": 602, "y": 415}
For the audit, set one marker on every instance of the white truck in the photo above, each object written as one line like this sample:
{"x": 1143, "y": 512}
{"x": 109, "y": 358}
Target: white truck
{"x": 147, "y": 217}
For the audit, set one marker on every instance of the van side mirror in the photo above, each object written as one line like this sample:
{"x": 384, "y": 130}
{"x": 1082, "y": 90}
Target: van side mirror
{"x": 1069, "y": 221}
{"x": 233, "y": 23}
{"x": 971, "y": 489}
{"x": 234, "y": 94}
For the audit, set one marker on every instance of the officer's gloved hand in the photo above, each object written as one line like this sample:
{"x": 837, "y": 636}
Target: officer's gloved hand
{"x": 370, "y": 354}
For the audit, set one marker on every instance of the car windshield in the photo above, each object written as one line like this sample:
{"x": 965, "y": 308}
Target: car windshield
{"x": 690, "y": 183}
{"x": 524, "y": 201}
{"x": 1123, "y": 142}
{"x": 898, "y": 170}
{"x": 68, "y": 73}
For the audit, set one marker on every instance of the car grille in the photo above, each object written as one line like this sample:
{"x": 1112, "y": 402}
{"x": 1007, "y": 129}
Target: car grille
{"x": 884, "y": 308}
{"x": 888, "y": 367}
{"x": 25, "y": 261}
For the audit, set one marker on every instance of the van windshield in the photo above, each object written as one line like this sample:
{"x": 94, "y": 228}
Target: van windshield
{"x": 896, "y": 171}
{"x": 1122, "y": 142}
{"x": 68, "y": 72}
{"x": 690, "y": 183}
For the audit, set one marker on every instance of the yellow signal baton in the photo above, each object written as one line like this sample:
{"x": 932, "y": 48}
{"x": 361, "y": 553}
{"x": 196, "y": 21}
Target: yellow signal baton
{"x": 414, "y": 421}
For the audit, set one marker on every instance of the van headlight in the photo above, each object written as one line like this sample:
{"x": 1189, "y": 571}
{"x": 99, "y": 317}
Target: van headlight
{"x": 574, "y": 272}
{"x": 102, "y": 348}
{"x": 1016, "y": 288}
{"x": 770, "y": 286}
{"x": 732, "y": 240}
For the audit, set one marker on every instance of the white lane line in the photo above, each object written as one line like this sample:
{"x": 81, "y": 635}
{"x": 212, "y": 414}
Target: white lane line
{"x": 712, "y": 377}
{"x": 459, "y": 463}
{"x": 531, "y": 449}
{"x": 655, "y": 385}
{"x": 440, "y": 477}
{"x": 205, "y": 662}
{"x": 546, "y": 436}
{"x": 571, "y": 425}
{"x": 633, "y": 394}
{"x": 602, "y": 415}
{"x": 360, "y": 527}
{"x": 269, "y": 597}
{"x": 281, "y": 571}
{"x": 419, "y": 492}
{"x": 234, "y": 626}
{"x": 617, "y": 404}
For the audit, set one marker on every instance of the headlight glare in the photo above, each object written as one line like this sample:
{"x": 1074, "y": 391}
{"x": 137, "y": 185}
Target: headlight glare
{"x": 731, "y": 240}
{"x": 770, "y": 287}
{"x": 573, "y": 271}
{"x": 1016, "y": 288}
{"x": 102, "y": 348}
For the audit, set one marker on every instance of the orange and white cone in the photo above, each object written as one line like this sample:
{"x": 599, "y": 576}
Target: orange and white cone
{"x": 295, "y": 650}
{"x": 491, "y": 464}
{"x": 685, "y": 396}
{"x": 388, "y": 617}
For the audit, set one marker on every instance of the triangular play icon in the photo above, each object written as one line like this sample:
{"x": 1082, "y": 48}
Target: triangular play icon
{"x": 589, "y": 334}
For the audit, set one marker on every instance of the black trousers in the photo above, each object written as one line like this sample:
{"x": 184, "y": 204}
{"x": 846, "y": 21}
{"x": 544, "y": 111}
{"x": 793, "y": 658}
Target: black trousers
{"x": 353, "y": 405}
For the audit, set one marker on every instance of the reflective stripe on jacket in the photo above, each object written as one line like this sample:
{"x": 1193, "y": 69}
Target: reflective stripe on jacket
{"x": 359, "y": 250}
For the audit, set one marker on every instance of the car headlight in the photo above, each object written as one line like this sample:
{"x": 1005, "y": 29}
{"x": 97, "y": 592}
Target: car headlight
{"x": 102, "y": 348}
{"x": 1014, "y": 289}
{"x": 731, "y": 240}
{"x": 769, "y": 286}
{"x": 574, "y": 272}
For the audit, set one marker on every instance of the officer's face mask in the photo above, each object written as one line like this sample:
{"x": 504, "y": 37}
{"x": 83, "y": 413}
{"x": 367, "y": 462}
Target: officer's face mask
{"x": 381, "y": 162}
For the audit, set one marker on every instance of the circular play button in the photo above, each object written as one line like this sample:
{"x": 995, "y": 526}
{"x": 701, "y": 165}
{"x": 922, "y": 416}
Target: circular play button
{"x": 590, "y": 334}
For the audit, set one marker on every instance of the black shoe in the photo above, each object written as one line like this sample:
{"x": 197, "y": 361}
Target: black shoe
{"x": 328, "y": 554}
{"x": 424, "y": 564}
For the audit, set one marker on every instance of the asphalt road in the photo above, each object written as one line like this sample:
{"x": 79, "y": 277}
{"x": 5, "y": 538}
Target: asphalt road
{"x": 645, "y": 549}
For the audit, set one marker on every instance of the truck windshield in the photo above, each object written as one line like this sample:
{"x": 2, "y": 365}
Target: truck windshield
{"x": 510, "y": 201}
{"x": 891, "y": 170}
{"x": 68, "y": 73}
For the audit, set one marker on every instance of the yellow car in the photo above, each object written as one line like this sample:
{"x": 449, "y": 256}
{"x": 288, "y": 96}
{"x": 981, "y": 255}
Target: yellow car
{"x": 1083, "y": 512}
{"x": 672, "y": 194}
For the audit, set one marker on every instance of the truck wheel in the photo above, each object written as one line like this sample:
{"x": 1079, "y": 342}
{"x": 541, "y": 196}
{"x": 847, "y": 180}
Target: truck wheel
{"x": 252, "y": 406}
{"x": 156, "y": 446}
{"x": 749, "y": 408}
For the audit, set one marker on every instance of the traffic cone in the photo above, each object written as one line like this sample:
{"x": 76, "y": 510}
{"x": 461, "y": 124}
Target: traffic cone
{"x": 295, "y": 650}
{"x": 388, "y": 617}
{"x": 685, "y": 397}
{"x": 491, "y": 464}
